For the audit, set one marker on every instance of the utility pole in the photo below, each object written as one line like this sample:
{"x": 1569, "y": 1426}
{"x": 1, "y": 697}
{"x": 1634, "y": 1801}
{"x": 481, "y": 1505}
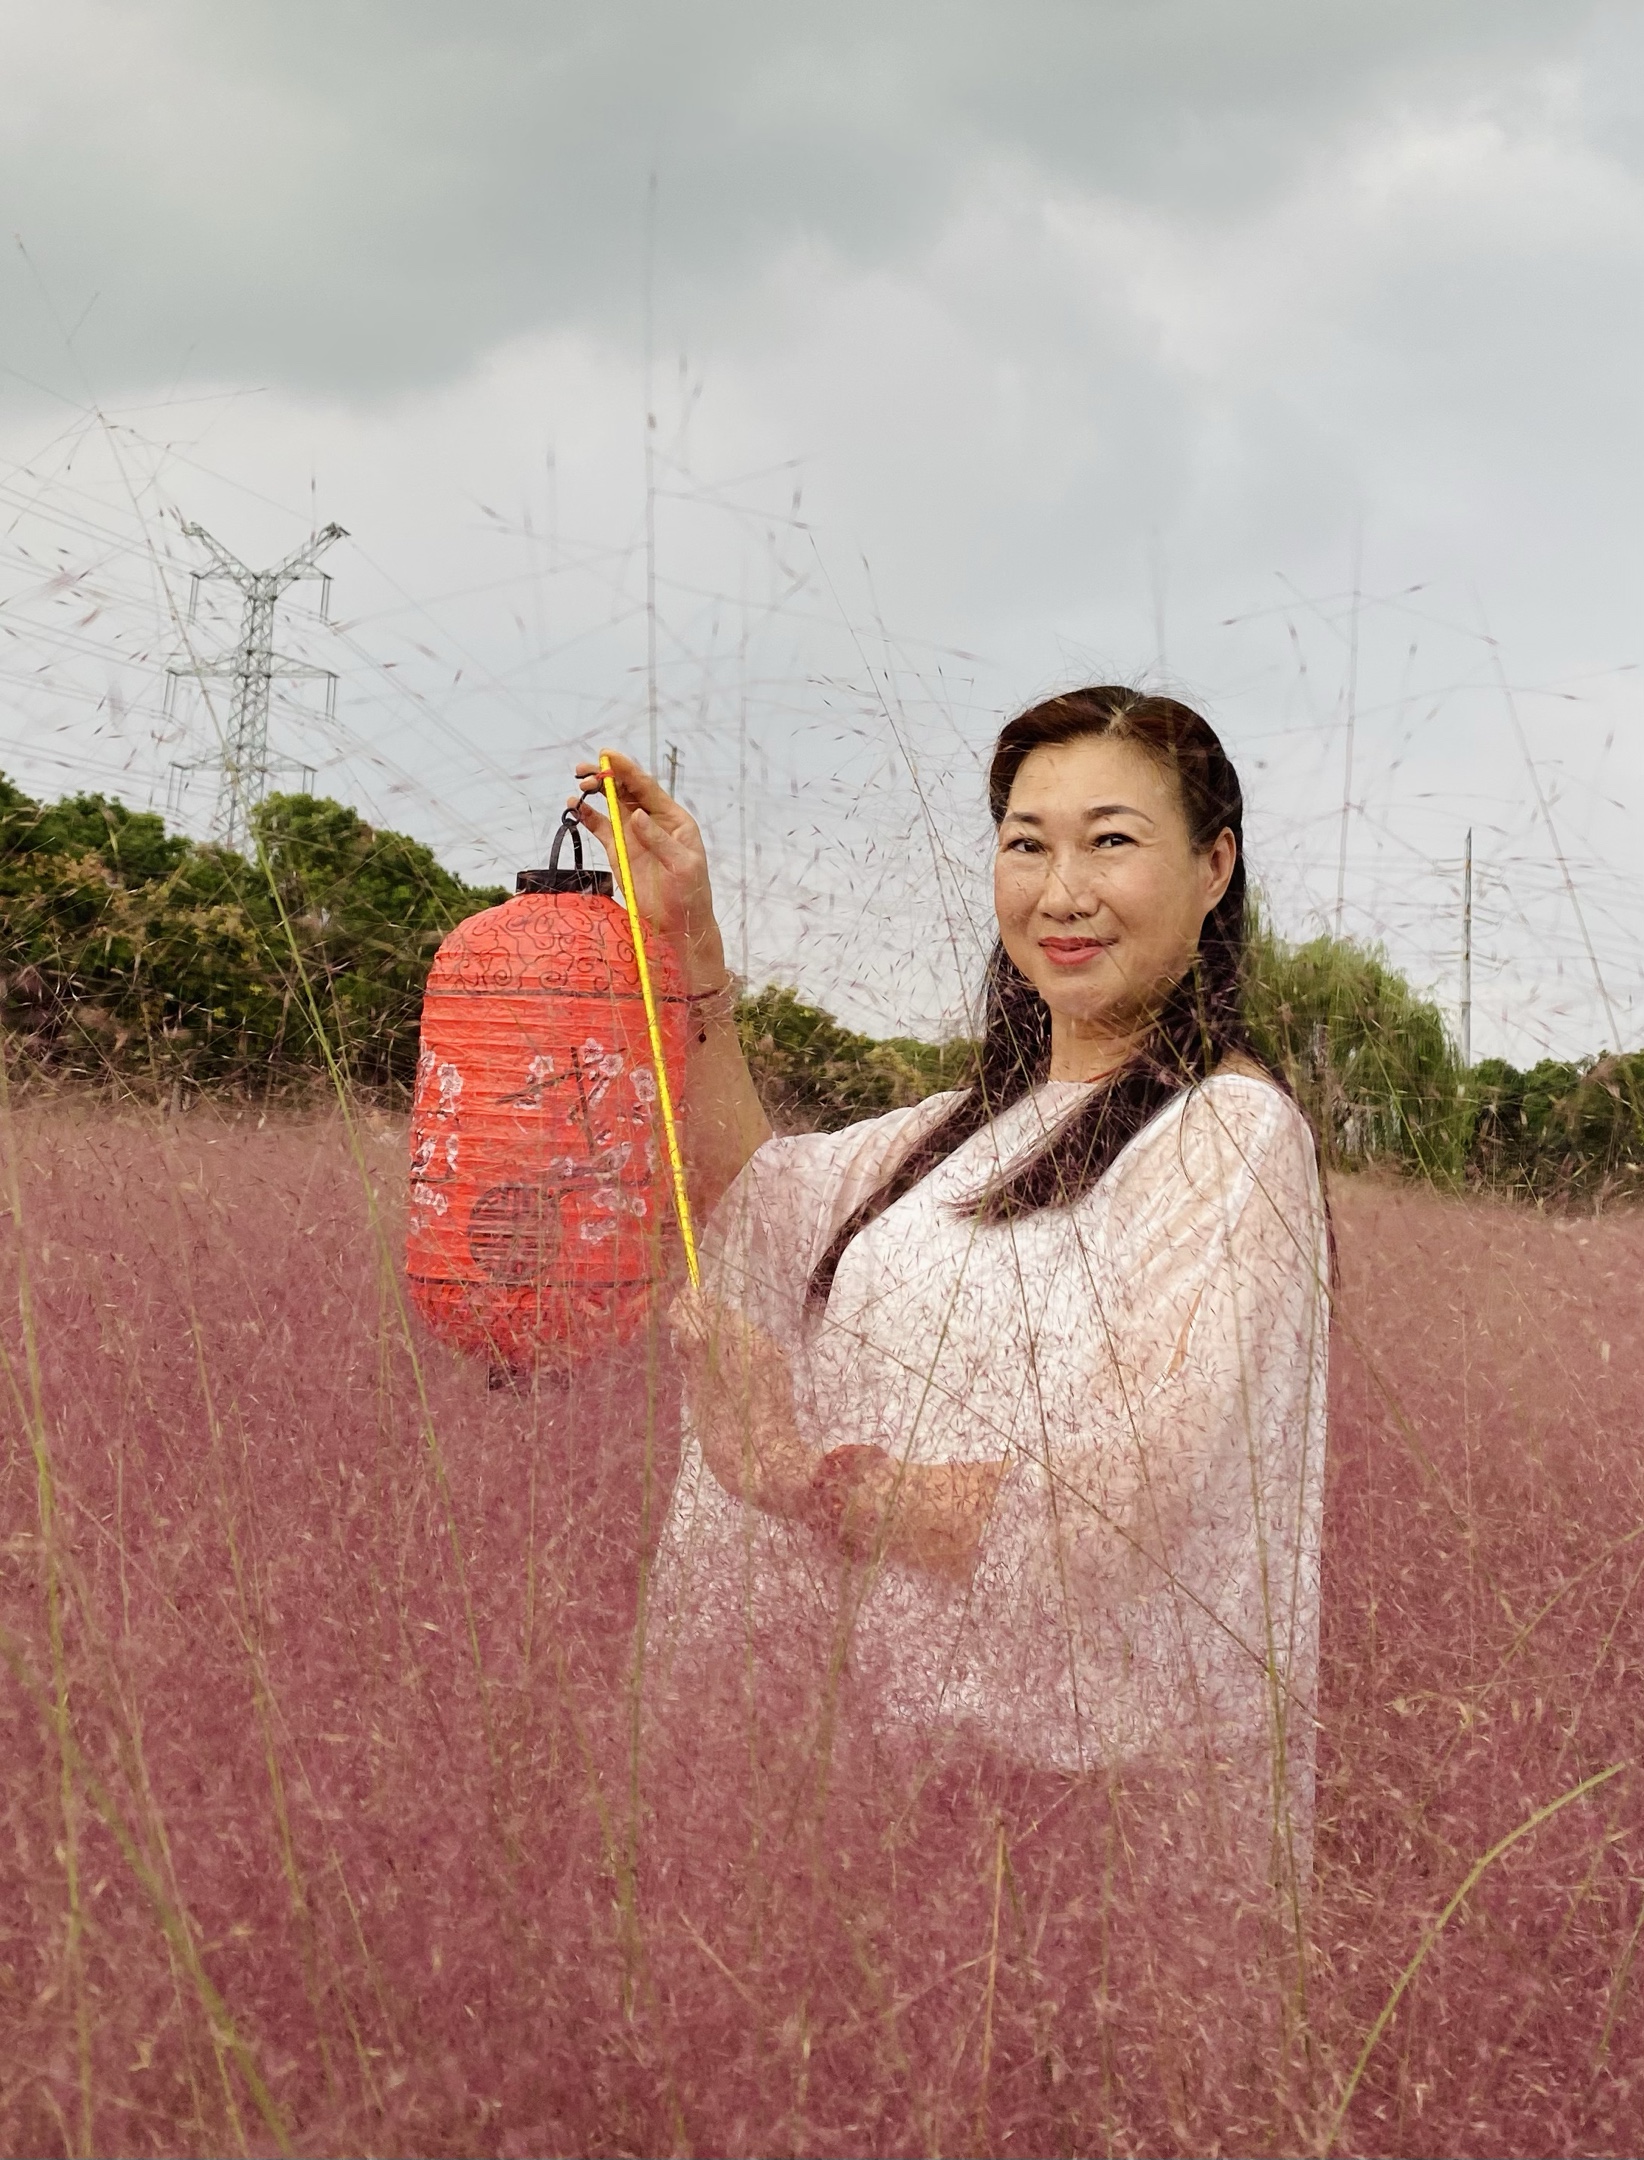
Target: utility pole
{"x": 650, "y": 477}
{"x": 243, "y": 763}
{"x": 1352, "y": 720}
{"x": 1467, "y": 956}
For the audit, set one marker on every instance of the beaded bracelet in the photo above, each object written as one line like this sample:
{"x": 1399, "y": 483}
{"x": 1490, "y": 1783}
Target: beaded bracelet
{"x": 706, "y": 1008}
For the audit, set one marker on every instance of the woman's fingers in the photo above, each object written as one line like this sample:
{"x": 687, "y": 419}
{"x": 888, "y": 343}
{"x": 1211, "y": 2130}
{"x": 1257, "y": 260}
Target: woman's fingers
{"x": 594, "y": 821}
{"x": 706, "y": 1327}
{"x": 633, "y": 783}
{"x": 703, "y": 1325}
{"x": 649, "y": 813}
{"x": 642, "y": 833}
{"x": 673, "y": 854}
{"x": 638, "y": 790}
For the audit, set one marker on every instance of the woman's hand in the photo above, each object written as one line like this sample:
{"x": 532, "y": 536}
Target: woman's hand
{"x": 668, "y": 862}
{"x": 924, "y": 1515}
{"x": 741, "y": 1395}
{"x": 932, "y": 1516}
{"x": 723, "y": 1119}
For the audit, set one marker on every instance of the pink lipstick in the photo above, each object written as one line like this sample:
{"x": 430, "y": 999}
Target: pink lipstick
{"x": 1071, "y": 952}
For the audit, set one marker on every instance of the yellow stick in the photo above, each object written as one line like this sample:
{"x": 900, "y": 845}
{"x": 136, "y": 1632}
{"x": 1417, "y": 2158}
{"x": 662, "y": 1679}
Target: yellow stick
{"x": 676, "y": 1161}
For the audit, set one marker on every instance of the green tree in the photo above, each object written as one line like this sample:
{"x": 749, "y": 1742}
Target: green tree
{"x": 365, "y": 911}
{"x": 811, "y": 1072}
{"x": 1371, "y": 1062}
{"x": 1560, "y": 1130}
{"x": 131, "y": 954}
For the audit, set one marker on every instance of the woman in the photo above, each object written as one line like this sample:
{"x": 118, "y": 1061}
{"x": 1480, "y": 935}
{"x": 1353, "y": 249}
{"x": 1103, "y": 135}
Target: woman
{"x": 1006, "y": 1411}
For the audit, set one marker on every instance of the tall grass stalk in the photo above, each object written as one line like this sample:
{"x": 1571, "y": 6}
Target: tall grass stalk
{"x": 1468, "y": 1884}
{"x": 28, "y": 1402}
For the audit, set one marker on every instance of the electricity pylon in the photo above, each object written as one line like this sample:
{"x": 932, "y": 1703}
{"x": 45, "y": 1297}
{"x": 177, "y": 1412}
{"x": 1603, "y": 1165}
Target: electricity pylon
{"x": 243, "y": 764}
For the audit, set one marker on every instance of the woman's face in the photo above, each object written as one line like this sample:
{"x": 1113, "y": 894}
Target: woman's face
{"x": 1100, "y": 892}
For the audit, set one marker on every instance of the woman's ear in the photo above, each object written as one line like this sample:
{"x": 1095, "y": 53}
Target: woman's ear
{"x": 1219, "y": 860}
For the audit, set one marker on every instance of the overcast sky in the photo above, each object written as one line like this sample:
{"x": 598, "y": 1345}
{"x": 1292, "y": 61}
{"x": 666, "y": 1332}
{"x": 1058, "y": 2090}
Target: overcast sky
{"x": 1286, "y": 354}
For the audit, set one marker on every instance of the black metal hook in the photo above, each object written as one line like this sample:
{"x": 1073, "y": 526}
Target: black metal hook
{"x": 554, "y": 879}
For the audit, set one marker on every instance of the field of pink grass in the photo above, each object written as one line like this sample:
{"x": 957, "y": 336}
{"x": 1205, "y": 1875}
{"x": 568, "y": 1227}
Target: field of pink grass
{"x": 325, "y": 1825}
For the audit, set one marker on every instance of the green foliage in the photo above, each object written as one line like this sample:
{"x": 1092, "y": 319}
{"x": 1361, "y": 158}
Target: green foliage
{"x": 1377, "y": 1072}
{"x": 813, "y": 1073}
{"x": 1560, "y": 1131}
{"x": 366, "y": 911}
{"x": 1371, "y": 1063}
{"x": 132, "y": 845}
{"x": 131, "y": 954}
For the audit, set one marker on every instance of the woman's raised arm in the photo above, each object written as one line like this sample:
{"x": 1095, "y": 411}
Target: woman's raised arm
{"x": 721, "y": 1113}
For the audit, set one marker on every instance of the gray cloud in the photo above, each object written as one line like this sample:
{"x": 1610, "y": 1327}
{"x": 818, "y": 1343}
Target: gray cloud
{"x": 348, "y": 199}
{"x": 1081, "y": 324}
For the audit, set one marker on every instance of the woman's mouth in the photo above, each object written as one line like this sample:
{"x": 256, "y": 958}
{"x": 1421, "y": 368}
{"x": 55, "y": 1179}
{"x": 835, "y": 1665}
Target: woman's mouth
{"x": 1071, "y": 951}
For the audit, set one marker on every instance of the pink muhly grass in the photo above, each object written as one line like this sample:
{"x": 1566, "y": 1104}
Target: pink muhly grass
{"x": 1483, "y": 1654}
{"x": 327, "y": 1825}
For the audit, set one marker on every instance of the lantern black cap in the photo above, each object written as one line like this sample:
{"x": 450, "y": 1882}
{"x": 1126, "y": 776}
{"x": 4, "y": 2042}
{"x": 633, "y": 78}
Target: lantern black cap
{"x": 556, "y": 880}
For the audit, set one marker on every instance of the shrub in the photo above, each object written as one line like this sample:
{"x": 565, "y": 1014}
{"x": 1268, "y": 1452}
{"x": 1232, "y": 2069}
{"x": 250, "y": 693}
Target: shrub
{"x": 1371, "y": 1062}
{"x": 137, "y": 956}
{"x": 365, "y": 911}
{"x": 813, "y": 1073}
{"x": 1560, "y": 1131}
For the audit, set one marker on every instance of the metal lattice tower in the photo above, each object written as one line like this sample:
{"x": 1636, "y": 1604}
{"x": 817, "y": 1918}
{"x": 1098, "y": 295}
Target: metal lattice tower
{"x": 243, "y": 763}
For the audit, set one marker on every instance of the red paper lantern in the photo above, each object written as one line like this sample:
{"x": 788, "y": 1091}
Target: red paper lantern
{"x": 541, "y": 1209}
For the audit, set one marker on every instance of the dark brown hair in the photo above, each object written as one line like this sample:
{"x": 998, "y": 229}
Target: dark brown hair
{"x": 1198, "y": 1024}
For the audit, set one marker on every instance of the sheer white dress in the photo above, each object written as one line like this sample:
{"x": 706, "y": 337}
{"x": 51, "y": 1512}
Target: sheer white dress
{"x": 1149, "y": 1362}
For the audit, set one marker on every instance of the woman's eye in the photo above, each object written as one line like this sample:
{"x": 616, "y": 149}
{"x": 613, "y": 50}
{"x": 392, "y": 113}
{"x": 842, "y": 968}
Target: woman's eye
{"x": 1112, "y": 839}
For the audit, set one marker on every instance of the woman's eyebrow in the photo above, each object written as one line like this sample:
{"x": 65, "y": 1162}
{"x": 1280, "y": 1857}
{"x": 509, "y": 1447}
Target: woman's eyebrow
{"x": 1096, "y": 810}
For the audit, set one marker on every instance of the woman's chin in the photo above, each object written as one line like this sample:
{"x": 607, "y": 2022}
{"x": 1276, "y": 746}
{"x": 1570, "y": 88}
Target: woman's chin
{"x": 1091, "y": 1012}
{"x": 1083, "y": 1003}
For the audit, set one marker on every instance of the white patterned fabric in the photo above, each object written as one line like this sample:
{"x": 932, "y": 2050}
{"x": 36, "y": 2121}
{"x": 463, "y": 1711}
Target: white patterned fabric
{"x": 1149, "y": 1362}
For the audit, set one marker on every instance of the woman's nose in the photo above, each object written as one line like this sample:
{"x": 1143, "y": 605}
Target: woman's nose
{"x": 1067, "y": 891}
